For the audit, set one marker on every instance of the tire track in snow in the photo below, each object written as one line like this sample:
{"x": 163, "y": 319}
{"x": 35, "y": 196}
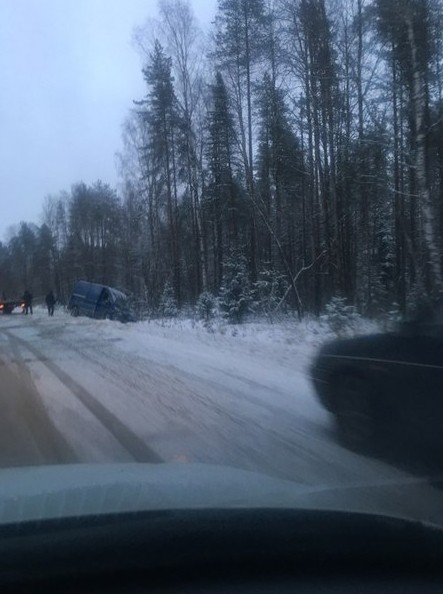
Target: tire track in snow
{"x": 137, "y": 379}
{"x": 231, "y": 424}
{"x": 270, "y": 442}
{"x": 263, "y": 439}
{"x": 135, "y": 446}
{"x": 314, "y": 453}
{"x": 50, "y": 443}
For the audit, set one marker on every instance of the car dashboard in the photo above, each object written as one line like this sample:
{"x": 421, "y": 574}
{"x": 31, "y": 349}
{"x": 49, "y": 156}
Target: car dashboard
{"x": 219, "y": 550}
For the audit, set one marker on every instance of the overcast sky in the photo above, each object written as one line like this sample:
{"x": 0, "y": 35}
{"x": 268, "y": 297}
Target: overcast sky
{"x": 69, "y": 72}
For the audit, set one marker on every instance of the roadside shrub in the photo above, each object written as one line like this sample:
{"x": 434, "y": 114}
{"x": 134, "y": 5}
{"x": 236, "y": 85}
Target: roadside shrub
{"x": 236, "y": 299}
{"x": 206, "y": 306}
{"x": 168, "y": 305}
{"x": 269, "y": 292}
{"x": 341, "y": 317}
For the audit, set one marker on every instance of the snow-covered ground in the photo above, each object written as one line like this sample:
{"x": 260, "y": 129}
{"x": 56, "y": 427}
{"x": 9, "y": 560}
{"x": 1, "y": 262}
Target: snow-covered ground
{"x": 174, "y": 391}
{"x": 236, "y": 395}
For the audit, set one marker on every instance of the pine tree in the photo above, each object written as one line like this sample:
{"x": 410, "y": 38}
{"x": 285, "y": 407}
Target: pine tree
{"x": 183, "y": 40}
{"x": 324, "y": 104}
{"x": 280, "y": 182}
{"x": 205, "y": 307}
{"x": 240, "y": 35}
{"x": 236, "y": 297}
{"x": 222, "y": 208}
{"x": 163, "y": 129}
{"x": 44, "y": 264}
{"x": 340, "y": 315}
{"x": 168, "y": 304}
{"x": 269, "y": 293}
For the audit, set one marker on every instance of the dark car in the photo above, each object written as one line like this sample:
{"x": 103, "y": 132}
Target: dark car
{"x": 386, "y": 383}
{"x": 99, "y": 301}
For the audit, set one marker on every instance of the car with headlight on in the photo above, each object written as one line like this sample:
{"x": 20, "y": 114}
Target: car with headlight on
{"x": 386, "y": 384}
{"x": 7, "y": 306}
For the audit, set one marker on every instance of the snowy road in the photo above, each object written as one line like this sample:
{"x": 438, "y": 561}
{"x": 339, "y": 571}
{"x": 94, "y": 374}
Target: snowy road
{"x": 97, "y": 391}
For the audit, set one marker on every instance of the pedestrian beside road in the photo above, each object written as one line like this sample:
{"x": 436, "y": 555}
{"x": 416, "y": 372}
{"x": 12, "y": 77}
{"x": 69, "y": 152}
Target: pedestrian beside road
{"x": 27, "y": 300}
{"x": 50, "y": 302}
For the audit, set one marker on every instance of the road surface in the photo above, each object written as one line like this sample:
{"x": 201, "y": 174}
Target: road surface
{"x": 90, "y": 391}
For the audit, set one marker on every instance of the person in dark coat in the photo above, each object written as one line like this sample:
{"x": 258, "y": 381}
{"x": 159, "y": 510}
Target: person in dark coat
{"x": 27, "y": 300}
{"x": 50, "y": 302}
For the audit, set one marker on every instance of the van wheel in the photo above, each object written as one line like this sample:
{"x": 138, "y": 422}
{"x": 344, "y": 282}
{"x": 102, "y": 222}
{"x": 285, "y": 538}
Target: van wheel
{"x": 74, "y": 311}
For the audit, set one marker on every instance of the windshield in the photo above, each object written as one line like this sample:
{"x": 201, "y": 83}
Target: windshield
{"x": 215, "y": 215}
{"x": 117, "y": 295}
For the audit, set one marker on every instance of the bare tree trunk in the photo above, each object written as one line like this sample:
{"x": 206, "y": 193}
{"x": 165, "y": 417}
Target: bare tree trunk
{"x": 398, "y": 199}
{"x": 419, "y": 106}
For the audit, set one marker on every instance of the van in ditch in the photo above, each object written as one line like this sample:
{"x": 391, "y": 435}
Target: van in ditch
{"x": 99, "y": 301}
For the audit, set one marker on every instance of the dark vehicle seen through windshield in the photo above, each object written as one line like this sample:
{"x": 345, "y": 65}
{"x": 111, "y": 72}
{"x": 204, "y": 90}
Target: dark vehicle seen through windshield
{"x": 387, "y": 385}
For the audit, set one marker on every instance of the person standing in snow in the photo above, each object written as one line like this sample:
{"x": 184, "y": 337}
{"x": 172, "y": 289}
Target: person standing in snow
{"x": 50, "y": 302}
{"x": 27, "y": 300}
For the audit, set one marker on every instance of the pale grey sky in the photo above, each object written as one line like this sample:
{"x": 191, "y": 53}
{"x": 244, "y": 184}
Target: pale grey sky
{"x": 69, "y": 72}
